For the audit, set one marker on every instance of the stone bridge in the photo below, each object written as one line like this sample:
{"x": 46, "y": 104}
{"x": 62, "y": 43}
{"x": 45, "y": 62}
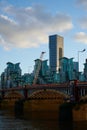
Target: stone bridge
{"x": 47, "y": 91}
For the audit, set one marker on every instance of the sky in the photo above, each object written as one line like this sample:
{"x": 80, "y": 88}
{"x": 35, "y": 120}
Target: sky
{"x": 25, "y": 26}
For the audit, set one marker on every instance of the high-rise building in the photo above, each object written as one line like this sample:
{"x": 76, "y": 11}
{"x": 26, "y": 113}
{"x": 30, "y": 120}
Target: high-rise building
{"x": 56, "y": 51}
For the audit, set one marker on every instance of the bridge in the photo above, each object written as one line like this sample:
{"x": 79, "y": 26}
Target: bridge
{"x": 43, "y": 91}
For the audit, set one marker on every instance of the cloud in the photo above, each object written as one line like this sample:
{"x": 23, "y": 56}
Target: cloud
{"x": 30, "y": 27}
{"x": 81, "y": 37}
{"x": 83, "y": 22}
{"x": 82, "y": 3}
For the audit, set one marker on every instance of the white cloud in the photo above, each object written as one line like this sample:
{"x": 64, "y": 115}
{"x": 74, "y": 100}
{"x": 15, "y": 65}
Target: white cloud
{"x": 81, "y": 37}
{"x": 7, "y": 19}
{"x": 30, "y": 27}
{"x": 3, "y": 43}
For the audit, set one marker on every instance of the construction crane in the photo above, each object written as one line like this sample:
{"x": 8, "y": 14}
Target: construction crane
{"x": 38, "y": 68}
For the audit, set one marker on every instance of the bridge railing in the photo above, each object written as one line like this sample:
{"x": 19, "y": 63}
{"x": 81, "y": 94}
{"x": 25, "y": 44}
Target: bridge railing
{"x": 63, "y": 87}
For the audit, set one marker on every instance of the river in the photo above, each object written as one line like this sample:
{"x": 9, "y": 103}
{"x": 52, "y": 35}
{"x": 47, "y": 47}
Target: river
{"x": 8, "y": 121}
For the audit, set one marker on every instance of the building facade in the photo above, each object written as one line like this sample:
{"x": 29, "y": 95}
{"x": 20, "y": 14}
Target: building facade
{"x": 56, "y": 51}
{"x": 85, "y": 70}
{"x": 11, "y": 75}
{"x": 68, "y": 70}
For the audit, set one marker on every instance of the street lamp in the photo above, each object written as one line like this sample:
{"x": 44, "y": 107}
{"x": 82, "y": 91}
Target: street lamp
{"x": 78, "y": 57}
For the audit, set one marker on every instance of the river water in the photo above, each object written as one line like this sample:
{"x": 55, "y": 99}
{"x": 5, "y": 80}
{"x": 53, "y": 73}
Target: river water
{"x": 8, "y": 121}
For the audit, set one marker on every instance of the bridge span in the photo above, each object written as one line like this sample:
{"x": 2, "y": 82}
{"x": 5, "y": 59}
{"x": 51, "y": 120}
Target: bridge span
{"x": 43, "y": 91}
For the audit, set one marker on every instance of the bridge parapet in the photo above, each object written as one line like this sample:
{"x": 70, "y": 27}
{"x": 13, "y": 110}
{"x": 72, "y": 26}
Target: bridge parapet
{"x": 28, "y": 90}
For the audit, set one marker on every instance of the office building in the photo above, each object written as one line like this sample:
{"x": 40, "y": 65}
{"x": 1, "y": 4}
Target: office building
{"x": 56, "y": 51}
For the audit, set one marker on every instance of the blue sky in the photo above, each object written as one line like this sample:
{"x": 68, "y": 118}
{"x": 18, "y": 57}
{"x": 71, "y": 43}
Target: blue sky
{"x": 25, "y": 26}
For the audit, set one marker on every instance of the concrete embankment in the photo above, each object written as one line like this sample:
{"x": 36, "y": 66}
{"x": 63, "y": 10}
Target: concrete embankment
{"x": 46, "y": 109}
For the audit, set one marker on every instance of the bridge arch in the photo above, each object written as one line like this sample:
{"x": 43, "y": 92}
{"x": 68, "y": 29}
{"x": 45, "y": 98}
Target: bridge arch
{"x": 13, "y": 95}
{"x": 48, "y": 94}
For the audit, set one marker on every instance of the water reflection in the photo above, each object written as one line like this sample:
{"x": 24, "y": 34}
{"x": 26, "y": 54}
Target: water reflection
{"x": 8, "y": 121}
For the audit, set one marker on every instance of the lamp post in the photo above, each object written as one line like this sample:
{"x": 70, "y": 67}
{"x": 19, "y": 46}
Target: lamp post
{"x": 78, "y": 57}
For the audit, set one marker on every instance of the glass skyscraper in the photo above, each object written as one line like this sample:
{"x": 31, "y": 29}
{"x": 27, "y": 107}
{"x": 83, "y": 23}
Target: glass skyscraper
{"x": 56, "y": 51}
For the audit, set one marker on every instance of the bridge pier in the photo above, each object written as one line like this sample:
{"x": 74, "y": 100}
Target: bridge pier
{"x": 19, "y": 108}
{"x": 65, "y": 112}
{"x": 25, "y": 92}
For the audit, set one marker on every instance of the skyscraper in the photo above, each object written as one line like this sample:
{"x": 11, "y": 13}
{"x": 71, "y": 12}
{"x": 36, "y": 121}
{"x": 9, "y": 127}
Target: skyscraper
{"x": 56, "y": 51}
